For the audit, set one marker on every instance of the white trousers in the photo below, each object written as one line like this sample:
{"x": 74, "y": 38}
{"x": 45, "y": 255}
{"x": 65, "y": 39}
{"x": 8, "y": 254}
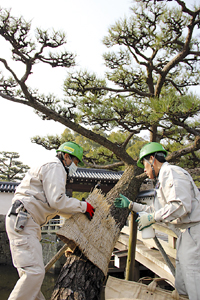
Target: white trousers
{"x": 187, "y": 279}
{"x": 27, "y": 257}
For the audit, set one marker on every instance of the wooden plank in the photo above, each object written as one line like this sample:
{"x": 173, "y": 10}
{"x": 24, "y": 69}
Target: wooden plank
{"x": 123, "y": 238}
{"x": 121, "y": 246}
{"x": 151, "y": 244}
{"x": 172, "y": 242}
{"x": 155, "y": 255}
{"x": 163, "y": 228}
{"x": 150, "y": 258}
{"x": 120, "y": 253}
{"x": 155, "y": 268}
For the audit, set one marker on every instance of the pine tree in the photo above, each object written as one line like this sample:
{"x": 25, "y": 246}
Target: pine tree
{"x": 11, "y": 169}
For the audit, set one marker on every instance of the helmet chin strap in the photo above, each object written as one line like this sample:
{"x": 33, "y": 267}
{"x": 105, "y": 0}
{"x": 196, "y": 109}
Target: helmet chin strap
{"x": 153, "y": 170}
{"x": 151, "y": 164}
{"x": 62, "y": 161}
{"x": 63, "y": 156}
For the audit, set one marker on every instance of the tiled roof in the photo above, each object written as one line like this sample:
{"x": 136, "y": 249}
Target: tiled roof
{"x": 8, "y": 187}
{"x": 82, "y": 175}
{"x": 97, "y": 174}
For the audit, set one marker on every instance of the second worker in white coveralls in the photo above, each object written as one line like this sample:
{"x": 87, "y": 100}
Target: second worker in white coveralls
{"x": 39, "y": 197}
{"x": 176, "y": 203}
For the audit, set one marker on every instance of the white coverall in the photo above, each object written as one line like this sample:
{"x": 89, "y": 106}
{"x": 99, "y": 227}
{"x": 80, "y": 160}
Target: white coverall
{"x": 42, "y": 192}
{"x": 177, "y": 203}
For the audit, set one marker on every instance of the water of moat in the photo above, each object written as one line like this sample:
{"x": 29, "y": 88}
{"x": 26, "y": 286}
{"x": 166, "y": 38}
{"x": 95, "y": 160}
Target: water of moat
{"x": 9, "y": 276}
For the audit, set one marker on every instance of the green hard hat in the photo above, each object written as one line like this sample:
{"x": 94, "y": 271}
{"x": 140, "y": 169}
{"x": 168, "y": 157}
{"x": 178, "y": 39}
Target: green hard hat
{"x": 73, "y": 149}
{"x": 149, "y": 149}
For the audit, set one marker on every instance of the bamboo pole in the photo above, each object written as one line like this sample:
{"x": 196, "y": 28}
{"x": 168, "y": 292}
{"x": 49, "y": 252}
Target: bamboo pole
{"x": 69, "y": 246}
{"x": 55, "y": 258}
{"x": 130, "y": 264}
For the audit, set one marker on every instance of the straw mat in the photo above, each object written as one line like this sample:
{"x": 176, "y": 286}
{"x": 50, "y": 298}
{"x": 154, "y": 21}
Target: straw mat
{"x": 95, "y": 238}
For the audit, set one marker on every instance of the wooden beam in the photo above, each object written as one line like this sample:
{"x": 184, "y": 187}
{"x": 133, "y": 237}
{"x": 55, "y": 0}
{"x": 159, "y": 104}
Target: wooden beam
{"x": 151, "y": 244}
{"x": 150, "y": 258}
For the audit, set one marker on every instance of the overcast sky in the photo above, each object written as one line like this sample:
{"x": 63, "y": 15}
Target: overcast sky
{"x": 85, "y": 23}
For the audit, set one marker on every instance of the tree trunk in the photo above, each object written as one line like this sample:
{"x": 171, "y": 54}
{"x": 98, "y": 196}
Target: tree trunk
{"x": 80, "y": 279}
{"x": 153, "y": 134}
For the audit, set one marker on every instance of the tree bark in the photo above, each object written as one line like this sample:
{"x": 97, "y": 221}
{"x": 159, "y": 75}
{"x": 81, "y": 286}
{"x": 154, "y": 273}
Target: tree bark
{"x": 80, "y": 279}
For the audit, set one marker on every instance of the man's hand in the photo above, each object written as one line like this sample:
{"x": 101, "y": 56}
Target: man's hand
{"x": 121, "y": 201}
{"x": 145, "y": 220}
{"x": 89, "y": 211}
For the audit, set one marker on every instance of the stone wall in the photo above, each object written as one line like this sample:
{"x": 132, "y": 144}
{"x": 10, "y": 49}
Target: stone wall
{"x": 5, "y": 256}
{"x": 50, "y": 245}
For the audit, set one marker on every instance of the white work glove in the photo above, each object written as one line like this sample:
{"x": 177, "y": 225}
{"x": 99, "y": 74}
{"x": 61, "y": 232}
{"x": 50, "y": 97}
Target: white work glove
{"x": 145, "y": 221}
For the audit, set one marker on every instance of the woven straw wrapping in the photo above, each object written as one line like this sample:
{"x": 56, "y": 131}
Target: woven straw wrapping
{"x": 95, "y": 238}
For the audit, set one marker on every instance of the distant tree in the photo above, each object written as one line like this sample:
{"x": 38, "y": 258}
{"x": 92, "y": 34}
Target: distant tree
{"x": 11, "y": 169}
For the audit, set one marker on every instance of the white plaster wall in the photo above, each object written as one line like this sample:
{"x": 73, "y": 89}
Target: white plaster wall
{"x": 5, "y": 202}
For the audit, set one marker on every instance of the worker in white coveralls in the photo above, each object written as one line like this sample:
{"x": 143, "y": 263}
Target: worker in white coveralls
{"x": 176, "y": 203}
{"x": 39, "y": 197}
